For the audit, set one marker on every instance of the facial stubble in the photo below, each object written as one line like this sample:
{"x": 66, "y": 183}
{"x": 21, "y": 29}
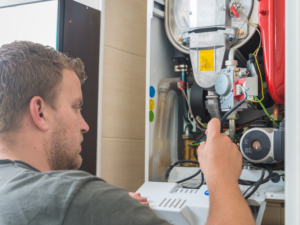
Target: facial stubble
{"x": 60, "y": 155}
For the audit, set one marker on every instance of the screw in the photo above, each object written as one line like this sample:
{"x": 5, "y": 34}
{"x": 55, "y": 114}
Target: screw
{"x": 223, "y": 8}
{"x": 174, "y": 60}
{"x": 247, "y": 89}
{"x": 70, "y": 21}
{"x": 229, "y": 106}
{"x": 262, "y": 12}
{"x": 221, "y": 101}
{"x": 191, "y": 12}
{"x": 87, "y": 7}
{"x": 187, "y": 58}
{"x": 272, "y": 196}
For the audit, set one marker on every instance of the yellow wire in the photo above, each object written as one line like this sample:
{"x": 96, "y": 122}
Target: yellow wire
{"x": 282, "y": 175}
{"x": 247, "y": 18}
{"x": 244, "y": 15}
{"x": 261, "y": 82}
{"x": 255, "y": 56}
{"x": 268, "y": 115}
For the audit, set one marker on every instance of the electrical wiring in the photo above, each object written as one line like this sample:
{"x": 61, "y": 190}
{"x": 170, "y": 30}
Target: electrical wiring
{"x": 180, "y": 88}
{"x": 255, "y": 52}
{"x": 202, "y": 182}
{"x": 189, "y": 117}
{"x": 195, "y": 147}
{"x": 229, "y": 112}
{"x": 247, "y": 182}
{"x": 199, "y": 121}
{"x": 282, "y": 175}
{"x": 195, "y": 144}
{"x": 262, "y": 105}
{"x": 261, "y": 80}
{"x": 247, "y": 18}
{"x": 188, "y": 178}
{"x": 266, "y": 112}
{"x": 177, "y": 163}
{"x": 258, "y": 183}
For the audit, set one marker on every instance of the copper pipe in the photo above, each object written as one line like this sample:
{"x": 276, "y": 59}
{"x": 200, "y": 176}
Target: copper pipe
{"x": 275, "y": 110}
{"x": 188, "y": 153}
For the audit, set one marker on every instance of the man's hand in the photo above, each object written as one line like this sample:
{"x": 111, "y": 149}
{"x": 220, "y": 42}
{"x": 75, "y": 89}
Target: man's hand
{"x": 221, "y": 163}
{"x": 219, "y": 158}
{"x": 138, "y": 197}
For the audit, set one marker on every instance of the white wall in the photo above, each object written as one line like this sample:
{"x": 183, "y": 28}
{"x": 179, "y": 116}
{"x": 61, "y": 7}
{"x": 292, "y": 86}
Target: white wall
{"x": 96, "y": 4}
{"x": 15, "y": 2}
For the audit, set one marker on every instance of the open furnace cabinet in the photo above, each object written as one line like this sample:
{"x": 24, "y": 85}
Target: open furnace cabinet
{"x": 185, "y": 203}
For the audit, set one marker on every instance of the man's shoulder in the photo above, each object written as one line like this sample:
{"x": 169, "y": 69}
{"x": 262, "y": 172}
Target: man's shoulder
{"x": 23, "y": 171}
{"x": 48, "y": 195}
{"x": 71, "y": 175}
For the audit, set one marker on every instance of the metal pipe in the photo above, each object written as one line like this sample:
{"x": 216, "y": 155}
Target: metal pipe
{"x": 275, "y": 110}
{"x": 183, "y": 76}
{"x": 232, "y": 129}
{"x": 234, "y": 52}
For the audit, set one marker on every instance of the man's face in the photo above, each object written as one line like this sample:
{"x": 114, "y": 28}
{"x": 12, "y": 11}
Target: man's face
{"x": 67, "y": 126}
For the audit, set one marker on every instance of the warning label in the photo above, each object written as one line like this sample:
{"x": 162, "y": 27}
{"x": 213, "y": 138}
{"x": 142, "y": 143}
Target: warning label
{"x": 207, "y": 60}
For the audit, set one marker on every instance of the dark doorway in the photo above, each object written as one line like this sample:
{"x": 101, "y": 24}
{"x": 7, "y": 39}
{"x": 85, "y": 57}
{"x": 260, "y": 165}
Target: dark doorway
{"x": 79, "y": 37}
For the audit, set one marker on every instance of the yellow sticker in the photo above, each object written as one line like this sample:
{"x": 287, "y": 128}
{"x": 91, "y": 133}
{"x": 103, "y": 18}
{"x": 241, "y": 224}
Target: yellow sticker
{"x": 151, "y": 105}
{"x": 207, "y": 60}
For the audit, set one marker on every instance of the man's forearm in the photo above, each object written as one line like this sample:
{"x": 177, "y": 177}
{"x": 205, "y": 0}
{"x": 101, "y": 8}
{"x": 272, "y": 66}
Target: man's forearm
{"x": 228, "y": 206}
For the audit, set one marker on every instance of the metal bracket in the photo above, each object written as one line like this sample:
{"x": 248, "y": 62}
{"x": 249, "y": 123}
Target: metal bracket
{"x": 213, "y": 104}
{"x": 180, "y": 68}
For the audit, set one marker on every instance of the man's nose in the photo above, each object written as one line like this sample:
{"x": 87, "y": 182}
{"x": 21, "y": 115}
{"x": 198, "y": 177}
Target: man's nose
{"x": 84, "y": 127}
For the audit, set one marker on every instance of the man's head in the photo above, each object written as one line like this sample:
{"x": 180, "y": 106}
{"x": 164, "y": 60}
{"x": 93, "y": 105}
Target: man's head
{"x": 43, "y": 86}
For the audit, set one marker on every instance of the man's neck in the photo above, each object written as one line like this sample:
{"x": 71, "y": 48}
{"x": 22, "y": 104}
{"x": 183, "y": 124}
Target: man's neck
{"x": 26, "y": 151}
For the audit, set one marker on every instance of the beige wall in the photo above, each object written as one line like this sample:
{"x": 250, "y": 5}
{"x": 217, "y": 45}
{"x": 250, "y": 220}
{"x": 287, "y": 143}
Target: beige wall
{"x": 123, "y": 103}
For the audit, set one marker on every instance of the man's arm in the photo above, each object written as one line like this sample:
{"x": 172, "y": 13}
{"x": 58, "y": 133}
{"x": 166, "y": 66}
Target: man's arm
{"x": 221, "y": 163}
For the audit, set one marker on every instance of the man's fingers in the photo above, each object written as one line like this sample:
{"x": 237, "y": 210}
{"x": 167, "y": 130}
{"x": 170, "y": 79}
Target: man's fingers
{"x": 200, "y": 148}
{"x": 138, "y": 197}
{"x": 213, "y": 128}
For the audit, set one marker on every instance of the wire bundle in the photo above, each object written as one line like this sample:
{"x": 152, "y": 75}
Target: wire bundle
{"x": 255, "y": 56}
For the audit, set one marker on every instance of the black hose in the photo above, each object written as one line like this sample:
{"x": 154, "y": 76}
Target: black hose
{"x": 188, "y": 178}
{"x": 248, "y": 182}
{"x": 229, "y": 112}
{"x": 175, "y": 164}
{"x": 258, "y": 183}
{"x": 200, "y": 185}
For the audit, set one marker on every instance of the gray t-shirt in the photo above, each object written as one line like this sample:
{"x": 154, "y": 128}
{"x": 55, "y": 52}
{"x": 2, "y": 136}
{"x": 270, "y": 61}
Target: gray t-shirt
{"x": 28, "y": 196}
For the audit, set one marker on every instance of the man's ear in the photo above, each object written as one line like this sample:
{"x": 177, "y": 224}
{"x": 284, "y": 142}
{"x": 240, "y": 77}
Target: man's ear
{"x": 37, "y": 109}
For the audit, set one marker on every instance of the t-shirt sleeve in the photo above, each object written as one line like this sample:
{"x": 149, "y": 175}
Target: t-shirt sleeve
{"x": 100, "y": 203}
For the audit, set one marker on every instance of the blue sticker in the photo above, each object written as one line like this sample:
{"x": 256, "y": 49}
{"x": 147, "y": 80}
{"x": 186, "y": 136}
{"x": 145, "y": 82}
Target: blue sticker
{"x": 152, "y": 92}
{"x": 206, "y": 193}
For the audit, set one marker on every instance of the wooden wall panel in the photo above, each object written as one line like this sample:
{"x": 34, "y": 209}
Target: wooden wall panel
{"x": 123, "y": 100}
{"x": 123, "y": 164}
{"x": 274, "y": 213}
{"x": 125, "y": 25}
{"x": 123, "y": 107}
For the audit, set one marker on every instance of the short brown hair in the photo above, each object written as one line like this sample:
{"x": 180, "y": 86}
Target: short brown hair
{"x": 28, "y": 69}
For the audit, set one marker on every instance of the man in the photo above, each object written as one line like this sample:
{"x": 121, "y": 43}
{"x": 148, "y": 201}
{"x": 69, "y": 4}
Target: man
{"x": 41, "y": 130}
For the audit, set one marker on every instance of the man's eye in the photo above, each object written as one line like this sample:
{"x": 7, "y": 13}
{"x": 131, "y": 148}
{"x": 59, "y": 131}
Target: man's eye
{"x": 79, "y": 109}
